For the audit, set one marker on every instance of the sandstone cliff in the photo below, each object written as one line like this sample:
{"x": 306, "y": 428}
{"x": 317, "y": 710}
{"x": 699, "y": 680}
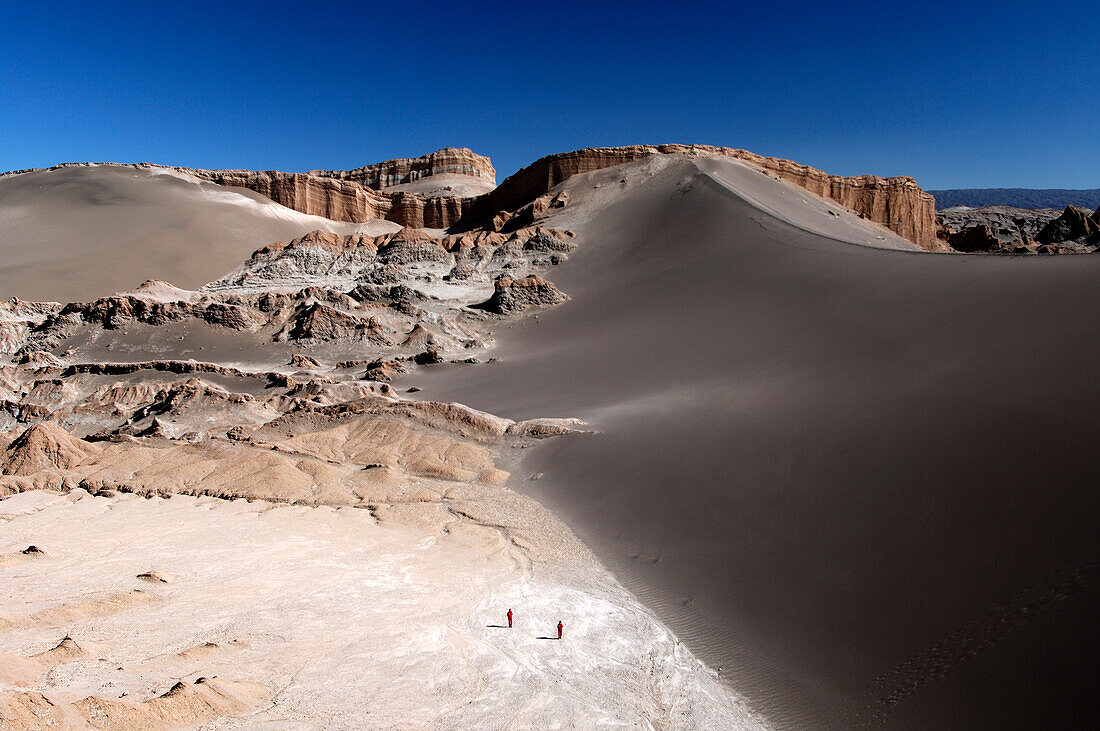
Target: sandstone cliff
{"x": 454, "y": 160}
{"x": 342, "y": 200}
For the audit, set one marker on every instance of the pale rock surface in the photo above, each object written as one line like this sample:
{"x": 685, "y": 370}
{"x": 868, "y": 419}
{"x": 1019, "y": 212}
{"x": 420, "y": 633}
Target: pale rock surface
{"x": 285, "y": 615}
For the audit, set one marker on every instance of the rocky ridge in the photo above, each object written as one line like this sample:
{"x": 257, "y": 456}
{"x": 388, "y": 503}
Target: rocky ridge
{"x": 360, "y": 195}
{"x": 373, "y": 192}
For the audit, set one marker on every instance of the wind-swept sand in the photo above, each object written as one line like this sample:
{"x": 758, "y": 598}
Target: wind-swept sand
{"x": 80, "y": 232}
{"x": 314, "y": 616}
{"x": 861, "y": 476}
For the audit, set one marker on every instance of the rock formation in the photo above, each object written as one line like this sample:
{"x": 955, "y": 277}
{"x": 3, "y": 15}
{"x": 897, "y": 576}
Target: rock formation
{"x": 453, "y": 160}
{"x": 366, "y": 194}
{"x": 394, "y": 301}
{"x": 44, "y": 446}
{"x": 1075, "y": 224}
{"x": 980, "y": 238}
{"x": 516, "y": 295}
{"x": 1006, "y": 230}
{"x": 1000, "y": 229}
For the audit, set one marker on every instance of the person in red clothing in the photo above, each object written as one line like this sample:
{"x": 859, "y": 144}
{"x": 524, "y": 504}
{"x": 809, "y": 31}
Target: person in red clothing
{"x": 509, "y": 619}
{"x": 559, "y": 629}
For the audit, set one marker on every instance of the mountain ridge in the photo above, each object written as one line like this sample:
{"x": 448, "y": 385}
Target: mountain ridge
{"x": 1017, "y": 197}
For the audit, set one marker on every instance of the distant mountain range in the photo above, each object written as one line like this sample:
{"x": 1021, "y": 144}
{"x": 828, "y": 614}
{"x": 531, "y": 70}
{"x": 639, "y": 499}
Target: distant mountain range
{"x": 1017, "y": 197}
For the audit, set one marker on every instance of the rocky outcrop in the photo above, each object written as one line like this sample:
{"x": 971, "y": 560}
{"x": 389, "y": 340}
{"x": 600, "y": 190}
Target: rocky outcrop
{"x": 358, "y": 195}
{"x": 516, "y": 295}
{"x": 1000, "y": 229}
{"x": 1007, "y": 230}
{"x": 319, "y": 322}
{"x": 18, "y": 317}
{"x": 368, "y": 264}
{"x": 166, "y": 366}
{"x": 157, "y": 303}
{"x": 44, "y": 446}
{"x": 980, "y": 238}
{"x": 450, "y": 160}
{"x": 348, "y": 200}
{"x": 1075, "y": 224}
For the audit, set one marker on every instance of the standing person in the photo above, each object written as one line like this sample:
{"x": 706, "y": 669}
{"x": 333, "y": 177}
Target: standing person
{"x": 559, "y": 629}
{"x": 509, "y": 619}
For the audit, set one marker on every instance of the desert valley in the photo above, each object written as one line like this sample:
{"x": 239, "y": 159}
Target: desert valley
{"x": 282, "y": 449}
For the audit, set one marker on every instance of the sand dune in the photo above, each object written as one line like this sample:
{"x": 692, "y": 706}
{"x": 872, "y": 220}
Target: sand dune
{"x": 818, "y": 458}
{"x": 77, "y": 233}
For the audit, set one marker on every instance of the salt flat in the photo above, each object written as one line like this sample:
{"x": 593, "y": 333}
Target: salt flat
{"x": 340, "y": 620}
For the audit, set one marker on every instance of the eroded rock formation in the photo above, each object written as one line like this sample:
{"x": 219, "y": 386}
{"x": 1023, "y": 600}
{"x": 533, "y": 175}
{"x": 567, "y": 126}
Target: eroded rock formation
{"x": 1005, "y": 230}
{"x": 1075, "y": 225}
{"x": 516, "y": 295}
{"x": 450, "y": 160}
{"x": 43, "y": 446}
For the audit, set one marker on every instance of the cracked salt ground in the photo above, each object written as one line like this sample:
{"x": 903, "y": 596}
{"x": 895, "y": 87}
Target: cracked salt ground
{"x": 343, "y": 620}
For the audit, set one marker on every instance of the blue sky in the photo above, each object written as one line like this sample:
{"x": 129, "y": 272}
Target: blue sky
{"x": 957, "y": 95}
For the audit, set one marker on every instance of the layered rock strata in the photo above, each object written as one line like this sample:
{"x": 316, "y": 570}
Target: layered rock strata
{"x": 342, "y": 200}
{"x": 453, "y": 160}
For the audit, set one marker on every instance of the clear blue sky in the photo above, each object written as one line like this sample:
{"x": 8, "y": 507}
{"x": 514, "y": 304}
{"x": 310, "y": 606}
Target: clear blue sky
{"x": 955, "y": 94}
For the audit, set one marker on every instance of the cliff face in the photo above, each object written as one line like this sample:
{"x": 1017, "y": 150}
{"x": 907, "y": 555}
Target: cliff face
{"x": 342, "y": 200}
{"x": 456, "y": 160}
{"x": 897, "y": 203}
